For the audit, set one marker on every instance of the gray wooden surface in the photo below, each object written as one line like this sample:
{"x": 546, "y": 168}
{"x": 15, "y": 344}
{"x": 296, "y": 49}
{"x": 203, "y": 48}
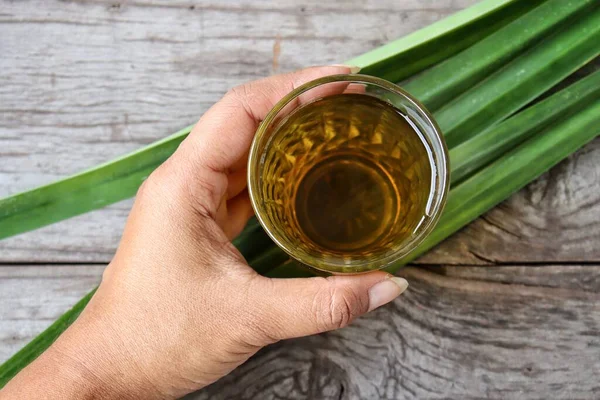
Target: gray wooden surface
{"x": 507, "y": 308}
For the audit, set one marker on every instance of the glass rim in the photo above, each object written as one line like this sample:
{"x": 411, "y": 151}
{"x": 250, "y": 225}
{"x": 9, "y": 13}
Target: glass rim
{"x": 385, "y": 260}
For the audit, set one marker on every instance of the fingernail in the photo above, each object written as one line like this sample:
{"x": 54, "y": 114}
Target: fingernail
{"x": 385, "y": 291}
{"x": 353, "y": 68}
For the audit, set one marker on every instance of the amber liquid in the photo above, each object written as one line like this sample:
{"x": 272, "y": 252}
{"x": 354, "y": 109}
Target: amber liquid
{"x": 347, "y": 175}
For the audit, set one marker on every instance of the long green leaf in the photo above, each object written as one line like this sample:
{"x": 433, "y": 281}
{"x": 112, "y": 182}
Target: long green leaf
{"x": 404, "y": 57}
{"x": 89, "y": 190}
{"x": 473, "y": 154}
{"x": 438, "y": 85}
{"x": 119, "y": 179}
{"x": 291, "y": 269}
{"x": 41, "y": 342}
{"x": 269, "y": 260}
{"x": 510, "y": 173}
{"x": 522, "y": 80}
{"x": 253, "y": 240}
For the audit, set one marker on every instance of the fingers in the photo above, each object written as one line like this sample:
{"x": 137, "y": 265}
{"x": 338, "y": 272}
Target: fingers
{"x": 355, "y": 88}
{"x": 220, "y": 141}
{"x": 224, "y": 133}
{"x": 300, "y": 307}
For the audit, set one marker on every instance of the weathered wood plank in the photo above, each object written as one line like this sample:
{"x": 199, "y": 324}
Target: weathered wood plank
{"x": 84, "y": 81}
{"x": 584, "y": 277}
{"x": 553, "y": 219}
{"x": 472, "y": 332}
{"x": 101, "y": 78}
{"x": 33, "y": 296}
{"x": 444, "y": 338}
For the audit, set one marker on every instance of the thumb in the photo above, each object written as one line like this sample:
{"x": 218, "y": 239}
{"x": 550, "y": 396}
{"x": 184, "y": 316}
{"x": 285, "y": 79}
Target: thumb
{"x": 300, "y": 307}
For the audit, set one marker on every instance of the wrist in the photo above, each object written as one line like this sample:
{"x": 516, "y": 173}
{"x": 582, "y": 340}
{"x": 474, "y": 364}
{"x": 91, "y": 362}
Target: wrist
{"x": 99, "y": 357}
{"x": 87, "y": 361}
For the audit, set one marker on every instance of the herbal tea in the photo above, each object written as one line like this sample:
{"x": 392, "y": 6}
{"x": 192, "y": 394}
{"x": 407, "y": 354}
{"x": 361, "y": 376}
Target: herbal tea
{"x": 347, "y": 175}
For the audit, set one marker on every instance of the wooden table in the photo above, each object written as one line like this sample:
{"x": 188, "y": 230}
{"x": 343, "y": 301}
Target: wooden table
{"x": 507, "y": 308}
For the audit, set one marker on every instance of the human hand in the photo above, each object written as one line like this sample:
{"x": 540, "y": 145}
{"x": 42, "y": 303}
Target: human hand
{"x": 178, "y": 307}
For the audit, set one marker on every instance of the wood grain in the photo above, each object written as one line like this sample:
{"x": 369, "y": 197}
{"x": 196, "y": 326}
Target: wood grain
{"x": 445, "y": 338}
{"x": 554, "y": 219}
{"x": 100, "y": 79}
{"x": 82, "y": 82}
{"x": 583, "y": 277}
{"x": 103, "y": 78}
{"x": 33, "y": 296}
{"x": 458, "y": 332}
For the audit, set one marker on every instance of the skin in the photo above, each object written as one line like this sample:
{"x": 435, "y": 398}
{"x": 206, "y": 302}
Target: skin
{"x": 179, "y": 307}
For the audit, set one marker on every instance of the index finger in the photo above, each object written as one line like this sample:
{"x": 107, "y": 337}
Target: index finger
{"x": 224, "y": 133}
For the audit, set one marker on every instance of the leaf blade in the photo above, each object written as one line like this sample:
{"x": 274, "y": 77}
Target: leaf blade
{"x": 419, "y": 50}
{"x": 89, "y": 190}
{"x": 438, "y": 85}
{"x": 521, "y": 81}
{"x": 473, "y": 154}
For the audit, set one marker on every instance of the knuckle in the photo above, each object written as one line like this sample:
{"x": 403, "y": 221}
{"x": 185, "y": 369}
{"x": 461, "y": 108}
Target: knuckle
{"x": 255, "y": 98}
{"x": 204, "y": 196}
{"x": 241, "y": 96}
{"x": 336, "y": 307}
{"x": 239, "y": 93}
{"x": 202, "y": 192}
{"x": 149, "y": 186}
{"x": 143, "y": 189}
{"x": 107, "y": 273}
{"x": 157, "y": 180}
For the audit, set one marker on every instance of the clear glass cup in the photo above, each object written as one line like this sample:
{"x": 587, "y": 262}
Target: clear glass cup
{"x": 280, "y": 168}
